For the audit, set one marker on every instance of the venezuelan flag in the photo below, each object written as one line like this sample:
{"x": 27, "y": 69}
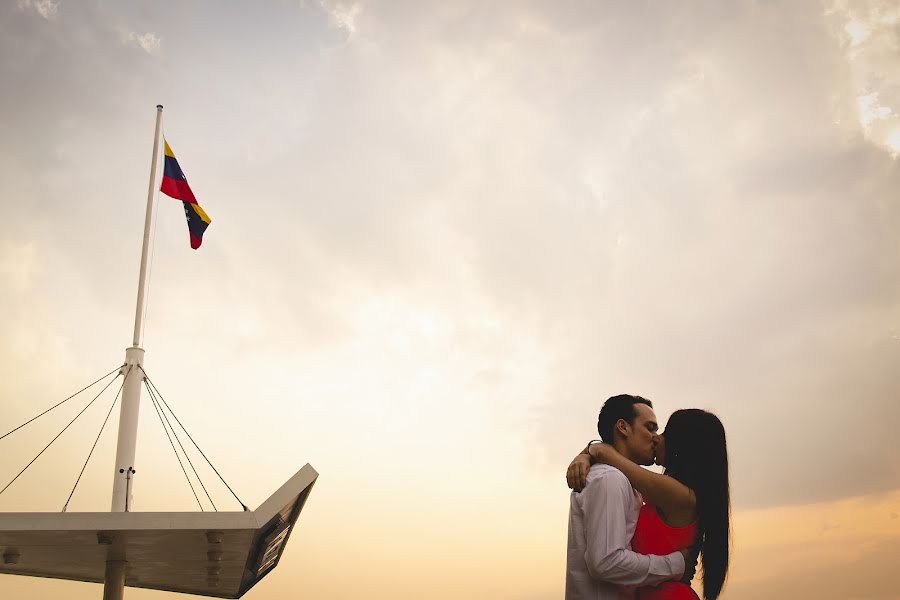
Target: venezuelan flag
{"x": 175, "y": 185}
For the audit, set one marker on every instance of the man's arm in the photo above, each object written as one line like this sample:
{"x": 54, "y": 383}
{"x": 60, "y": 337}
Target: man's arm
{"x": 609, "y": 556}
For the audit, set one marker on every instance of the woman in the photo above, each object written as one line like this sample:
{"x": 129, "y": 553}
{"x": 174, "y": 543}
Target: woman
{"x": 687, "y": 506}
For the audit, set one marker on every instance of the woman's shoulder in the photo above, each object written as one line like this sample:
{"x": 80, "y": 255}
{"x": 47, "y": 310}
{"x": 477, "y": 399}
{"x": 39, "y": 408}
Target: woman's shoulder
{"x": 686, "y": 519}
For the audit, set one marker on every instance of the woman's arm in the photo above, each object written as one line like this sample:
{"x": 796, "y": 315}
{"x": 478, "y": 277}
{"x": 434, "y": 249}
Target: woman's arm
{"x": 576, "y": 474}
{"x": 661, "y": 490}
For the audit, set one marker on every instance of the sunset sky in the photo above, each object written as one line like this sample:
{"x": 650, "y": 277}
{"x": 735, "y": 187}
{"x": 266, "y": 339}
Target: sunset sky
{"x": 442, "y": 234}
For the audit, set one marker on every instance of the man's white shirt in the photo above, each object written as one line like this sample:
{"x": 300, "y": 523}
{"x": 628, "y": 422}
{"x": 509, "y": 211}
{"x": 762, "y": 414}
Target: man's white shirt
{"x": 600, "y": 564}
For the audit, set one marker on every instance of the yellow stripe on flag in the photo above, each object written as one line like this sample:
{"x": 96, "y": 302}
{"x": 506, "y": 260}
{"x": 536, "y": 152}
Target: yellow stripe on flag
{"x": 201, "y": 213}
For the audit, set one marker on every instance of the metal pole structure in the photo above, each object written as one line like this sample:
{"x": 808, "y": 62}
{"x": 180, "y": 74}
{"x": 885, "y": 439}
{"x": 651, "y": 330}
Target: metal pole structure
{"x": 124, "y": 471}
{"x": 115, "y": 580}
{"x": 128, "y": 422}
{"x": 151, "y": 194}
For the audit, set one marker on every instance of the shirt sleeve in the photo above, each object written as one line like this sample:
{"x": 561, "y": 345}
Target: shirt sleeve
{"x": 608, "y": 555}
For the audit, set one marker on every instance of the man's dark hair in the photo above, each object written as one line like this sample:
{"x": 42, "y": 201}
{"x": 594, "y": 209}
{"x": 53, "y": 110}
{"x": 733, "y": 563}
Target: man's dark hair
{"x": 615, "y": 408}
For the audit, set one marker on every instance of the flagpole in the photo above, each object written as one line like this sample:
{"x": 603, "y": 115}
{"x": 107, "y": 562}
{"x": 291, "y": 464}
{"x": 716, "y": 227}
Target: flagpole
{"x": 124, "y": 471}
{"x": 151, "y": 193}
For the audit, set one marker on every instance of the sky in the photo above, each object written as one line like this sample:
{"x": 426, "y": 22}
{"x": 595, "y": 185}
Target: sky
{"x": 442, "y": 234}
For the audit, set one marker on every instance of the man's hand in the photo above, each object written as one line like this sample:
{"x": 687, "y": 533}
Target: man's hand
{"x": 576, "y": 474}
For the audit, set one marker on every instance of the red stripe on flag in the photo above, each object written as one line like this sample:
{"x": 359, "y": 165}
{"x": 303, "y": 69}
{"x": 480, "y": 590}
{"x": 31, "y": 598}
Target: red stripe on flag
{"x": 179, "y": 190}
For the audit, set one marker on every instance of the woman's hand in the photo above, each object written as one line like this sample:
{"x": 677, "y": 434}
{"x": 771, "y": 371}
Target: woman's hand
{"x": 603, "y": 453}
{"x": 576, "y": 474}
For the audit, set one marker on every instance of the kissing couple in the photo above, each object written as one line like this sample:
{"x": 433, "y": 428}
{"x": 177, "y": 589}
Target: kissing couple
{"x": 636, "y": 534}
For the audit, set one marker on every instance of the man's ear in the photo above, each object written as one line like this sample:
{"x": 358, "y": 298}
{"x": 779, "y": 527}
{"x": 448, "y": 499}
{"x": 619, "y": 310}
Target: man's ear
{"x": 623, "y": 427}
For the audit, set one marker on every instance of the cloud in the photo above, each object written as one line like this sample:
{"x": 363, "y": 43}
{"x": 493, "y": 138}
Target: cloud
{"x": 45, "y": 8}
{"x": 858, "y": 575}
{"x": 700, "y": 219}
{"x": 839, "y": 549}
{"x": 148, "y": 42}
{"x": 17, "y": 264}
{"x": 868, "y": 32}
{"x": 343, "y": 14}
{"x": 679, "y": 201}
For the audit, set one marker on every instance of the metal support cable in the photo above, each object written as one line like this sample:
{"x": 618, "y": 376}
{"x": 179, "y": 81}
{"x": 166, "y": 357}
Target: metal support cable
{"x": 150, "y": 381}
{"x": 57, "y": 435}
{"x": 177, "y": 439}
{"x": 60, "y": 403}
{"x": 102, "y": 427}
{"x": 181, "y": 464}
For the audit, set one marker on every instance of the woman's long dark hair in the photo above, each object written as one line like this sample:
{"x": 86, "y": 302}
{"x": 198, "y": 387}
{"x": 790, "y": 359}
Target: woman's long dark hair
{"x": 697, "y": 456}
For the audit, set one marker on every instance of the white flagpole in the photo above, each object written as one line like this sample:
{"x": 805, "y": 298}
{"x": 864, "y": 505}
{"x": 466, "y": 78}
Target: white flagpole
{"x": 123, "y": 475}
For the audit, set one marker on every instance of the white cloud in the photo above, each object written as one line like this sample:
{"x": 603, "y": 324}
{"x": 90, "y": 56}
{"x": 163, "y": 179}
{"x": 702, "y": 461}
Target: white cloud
{"x": 870, "y": 110}
{"x": 343, "y": 14}
{"x": 45, "y": 8}
{"x": 638, "y": 210}
{"x": 893, "y": 140}
{"x": 867, "y": 31}
{"x": 858, "y": 32}
{"x": 149, "y": 41}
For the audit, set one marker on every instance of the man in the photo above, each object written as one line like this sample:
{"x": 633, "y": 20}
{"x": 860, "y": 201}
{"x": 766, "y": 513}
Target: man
{"x": 600, "y": 564}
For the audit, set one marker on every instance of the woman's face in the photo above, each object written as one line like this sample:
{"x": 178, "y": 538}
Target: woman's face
{"x": 661, "y": 449}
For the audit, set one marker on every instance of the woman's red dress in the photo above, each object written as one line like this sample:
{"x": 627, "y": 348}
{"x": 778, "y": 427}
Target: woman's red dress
{"x": 653, "y": 536}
